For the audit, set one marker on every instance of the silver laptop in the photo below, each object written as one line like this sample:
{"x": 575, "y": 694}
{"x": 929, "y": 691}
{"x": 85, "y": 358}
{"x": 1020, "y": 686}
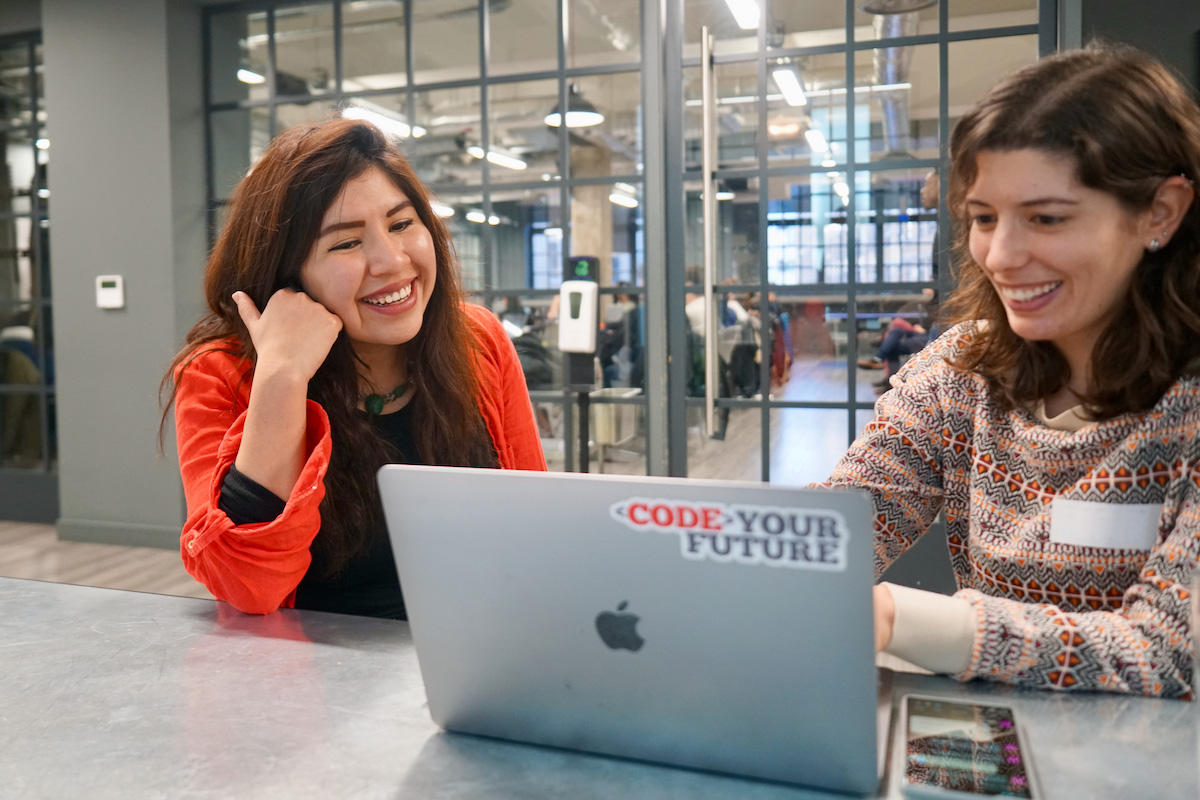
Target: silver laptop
{"x": 712, "y": 625}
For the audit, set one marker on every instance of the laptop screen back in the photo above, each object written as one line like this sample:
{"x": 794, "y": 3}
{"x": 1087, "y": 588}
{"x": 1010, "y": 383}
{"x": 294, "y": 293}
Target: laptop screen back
{"x": 712, "y": 625}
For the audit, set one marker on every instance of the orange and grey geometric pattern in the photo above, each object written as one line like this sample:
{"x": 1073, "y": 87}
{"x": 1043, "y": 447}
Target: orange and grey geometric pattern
{"x": 1047, "y": 614}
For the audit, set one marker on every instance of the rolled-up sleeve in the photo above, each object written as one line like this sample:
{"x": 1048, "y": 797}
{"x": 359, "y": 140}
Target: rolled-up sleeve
{"x": 254, "y": 567}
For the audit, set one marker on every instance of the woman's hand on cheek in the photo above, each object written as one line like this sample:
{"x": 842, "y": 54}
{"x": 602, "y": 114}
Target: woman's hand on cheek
{"x": 885, "y": 616}
{"x": 293, "y": 334}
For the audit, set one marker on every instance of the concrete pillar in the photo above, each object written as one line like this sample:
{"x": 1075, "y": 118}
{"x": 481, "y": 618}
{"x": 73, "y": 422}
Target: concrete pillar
{"x": 591, "y": 215}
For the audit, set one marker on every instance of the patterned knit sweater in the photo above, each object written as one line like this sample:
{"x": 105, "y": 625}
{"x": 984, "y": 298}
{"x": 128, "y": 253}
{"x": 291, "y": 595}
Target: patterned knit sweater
{"x": 1047, "y": 614}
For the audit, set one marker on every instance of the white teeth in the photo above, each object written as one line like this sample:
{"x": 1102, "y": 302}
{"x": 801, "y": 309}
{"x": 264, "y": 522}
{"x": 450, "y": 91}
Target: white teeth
{"x": 1025, "y": 295}
{"x": 388, "y": 299}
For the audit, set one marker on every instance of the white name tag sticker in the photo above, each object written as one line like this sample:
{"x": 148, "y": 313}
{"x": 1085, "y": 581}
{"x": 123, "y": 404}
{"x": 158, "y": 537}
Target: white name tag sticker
{"x": 1112, "y": 525}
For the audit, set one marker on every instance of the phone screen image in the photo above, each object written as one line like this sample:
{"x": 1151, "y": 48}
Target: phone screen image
{"x": 966, "y": 748}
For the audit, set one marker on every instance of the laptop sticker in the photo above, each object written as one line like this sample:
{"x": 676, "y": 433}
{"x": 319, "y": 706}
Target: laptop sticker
{"x": 743, "y": 534}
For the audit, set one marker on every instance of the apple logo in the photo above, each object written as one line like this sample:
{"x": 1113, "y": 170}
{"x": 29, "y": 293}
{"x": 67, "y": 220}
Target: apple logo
{"x": 618, "y": 629}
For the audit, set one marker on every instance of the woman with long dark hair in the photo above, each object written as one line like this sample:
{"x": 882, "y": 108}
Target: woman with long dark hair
{"x": 1056, "y": 424}
{"x": 337, "y": 340}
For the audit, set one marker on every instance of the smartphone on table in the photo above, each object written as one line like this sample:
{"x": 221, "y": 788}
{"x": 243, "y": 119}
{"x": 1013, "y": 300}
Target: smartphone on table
{"x": 956, "y": 750}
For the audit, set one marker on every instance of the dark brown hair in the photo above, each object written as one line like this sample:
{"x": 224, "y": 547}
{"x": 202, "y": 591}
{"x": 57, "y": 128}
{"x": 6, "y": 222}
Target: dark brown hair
{"x": 271, "y": 225}
{"x": 1127, "y": 124}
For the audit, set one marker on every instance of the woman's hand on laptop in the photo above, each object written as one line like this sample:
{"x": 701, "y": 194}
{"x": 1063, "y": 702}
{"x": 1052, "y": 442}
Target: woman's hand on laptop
{"x": 885, "y": 616}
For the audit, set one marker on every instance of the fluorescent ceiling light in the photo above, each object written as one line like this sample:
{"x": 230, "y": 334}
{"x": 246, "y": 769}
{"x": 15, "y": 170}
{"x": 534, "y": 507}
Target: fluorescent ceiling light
{"x": 248, "y": 76}
{"x": 625, "y": 195}
{"x": 783, "y": 128}
{"x": 493, "y": 220}
{"x": 876, "y": 88}
{"x": 829, "y": 162}
{"x": 745, "y": 13}
{"x": 734, "y": 100}
{"x": 623, "y": 200}
{"x": 42, "y": 144}
{"x": 841, "y": 188}
{"x": 731, "y": 101}
{"x": 789, "y": 83}
{"x": 816, "y": 140}
{"x": 387, "y": 124}
{"x": 477, "y": 216}
{"x": 724, "y": 195}
{"x": 500, "y": 159}
{"x": 442, "y": 210}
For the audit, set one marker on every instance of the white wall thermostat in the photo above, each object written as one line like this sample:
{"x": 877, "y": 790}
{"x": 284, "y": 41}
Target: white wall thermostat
{"x": 110, "y": 291}
{"x": 578, "y": 312}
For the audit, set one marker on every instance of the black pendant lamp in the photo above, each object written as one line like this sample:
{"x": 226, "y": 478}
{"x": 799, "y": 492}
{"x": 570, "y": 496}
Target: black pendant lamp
{"x": 580, "y": 113}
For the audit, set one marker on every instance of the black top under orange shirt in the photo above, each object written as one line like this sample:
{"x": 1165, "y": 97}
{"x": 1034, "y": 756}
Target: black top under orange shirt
{"x": 368, "y": 585}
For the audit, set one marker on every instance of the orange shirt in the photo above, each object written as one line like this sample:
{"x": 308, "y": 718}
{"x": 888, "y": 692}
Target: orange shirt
{"x": 257, "y": 567}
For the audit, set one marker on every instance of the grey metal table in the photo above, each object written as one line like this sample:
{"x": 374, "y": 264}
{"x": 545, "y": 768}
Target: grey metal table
{"x": 118, "y": 694}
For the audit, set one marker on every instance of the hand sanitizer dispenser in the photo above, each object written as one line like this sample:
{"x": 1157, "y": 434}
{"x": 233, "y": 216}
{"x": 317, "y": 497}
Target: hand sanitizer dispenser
{"x": 578, "y": 317}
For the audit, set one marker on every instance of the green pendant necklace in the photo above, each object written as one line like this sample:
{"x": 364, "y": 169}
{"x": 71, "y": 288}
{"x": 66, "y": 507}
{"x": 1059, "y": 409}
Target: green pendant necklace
{"x": 374, "y": 403}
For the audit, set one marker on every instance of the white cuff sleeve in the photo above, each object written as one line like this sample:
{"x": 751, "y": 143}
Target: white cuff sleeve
{"x": 932, "y": 630}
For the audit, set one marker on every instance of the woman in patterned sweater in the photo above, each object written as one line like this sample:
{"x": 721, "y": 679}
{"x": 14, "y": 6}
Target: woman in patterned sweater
{"x": 1057, "y": 425}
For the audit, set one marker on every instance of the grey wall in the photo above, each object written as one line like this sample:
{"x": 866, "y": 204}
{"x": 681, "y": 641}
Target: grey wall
{"x": 185, "y": 56}
{"x": 123, "y": 94}
{"x": 20, "y": 16}
{"x": 1166, "y": 29}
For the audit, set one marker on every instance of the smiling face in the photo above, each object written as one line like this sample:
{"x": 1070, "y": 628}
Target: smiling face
{"x": 1060, "y": 255}
{"x": 373, "y": 265}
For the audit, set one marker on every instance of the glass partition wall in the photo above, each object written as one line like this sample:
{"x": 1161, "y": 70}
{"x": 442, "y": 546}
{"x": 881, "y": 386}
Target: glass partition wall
{"x": 476, "y": 94}
{"x": 827, "y": 120}
{"x": 28, "y": 452}
{"x": 527, "y": 120}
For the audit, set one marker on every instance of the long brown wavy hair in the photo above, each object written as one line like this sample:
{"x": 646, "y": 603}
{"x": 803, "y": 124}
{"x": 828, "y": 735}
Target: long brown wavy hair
{"x": 271, "y": 225}
{"x": 1127, "y": 124}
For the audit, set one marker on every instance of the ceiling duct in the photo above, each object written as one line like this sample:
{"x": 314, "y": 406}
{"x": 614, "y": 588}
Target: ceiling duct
{"x": 461, "y": 8}
{"x": 426, "y": 12}
{"x": 893, "y": 19}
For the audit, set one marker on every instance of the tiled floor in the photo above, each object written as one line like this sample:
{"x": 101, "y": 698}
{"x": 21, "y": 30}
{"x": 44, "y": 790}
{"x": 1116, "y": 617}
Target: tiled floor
{"x": 34, "y": 551}
{"x": 805, "y": 443}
